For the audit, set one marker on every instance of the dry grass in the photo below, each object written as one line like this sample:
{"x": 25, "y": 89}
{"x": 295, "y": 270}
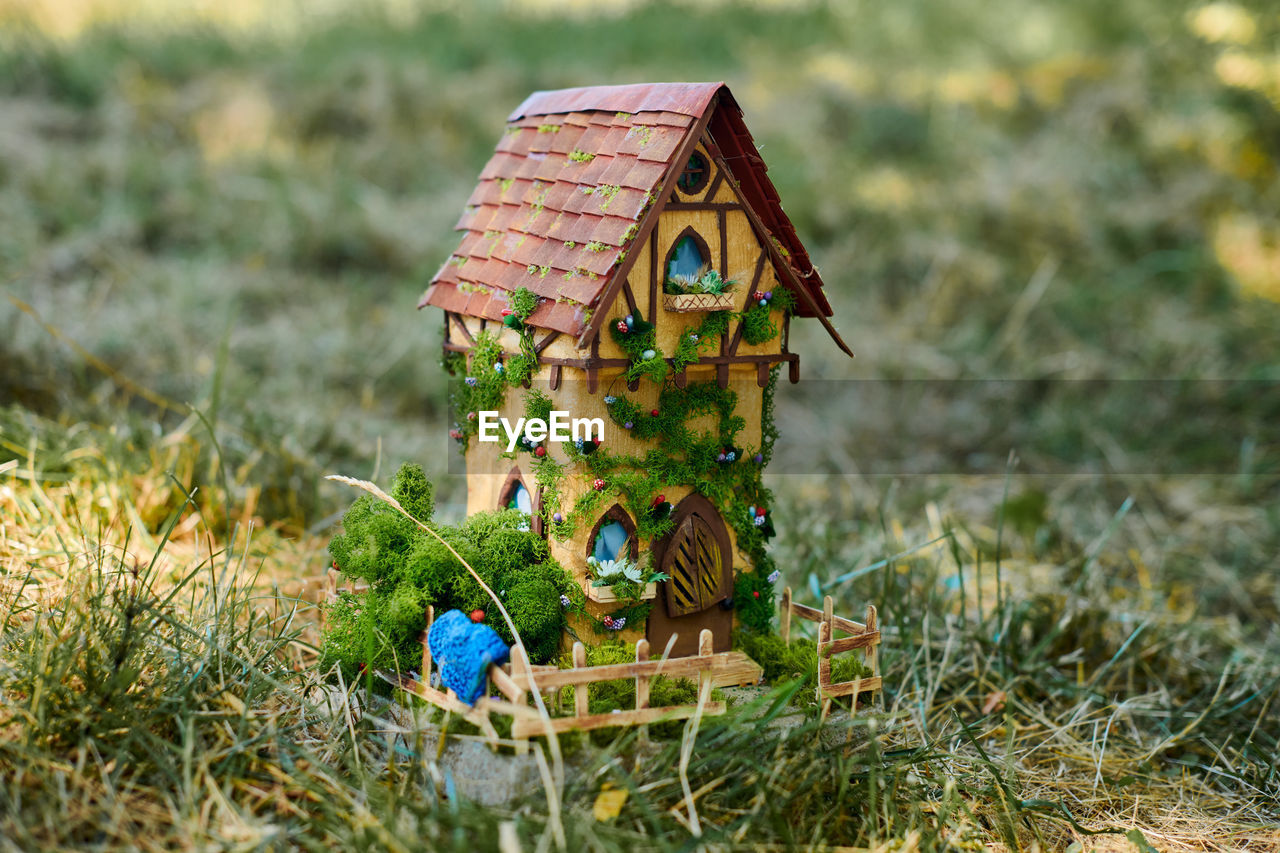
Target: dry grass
{"x": 982, "y": 739}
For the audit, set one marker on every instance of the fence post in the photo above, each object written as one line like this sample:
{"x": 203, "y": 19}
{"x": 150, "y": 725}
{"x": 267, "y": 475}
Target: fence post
{"x": 706, "y": 644}
{"x": 872, "y": 657}
{"x": 580, "y": 701}
{"x": 786, "y": 616}
{"x": 425, "y": 675}
{"x": 642, "y": 687}
{"x": 824, "y": 664}
{"x": 519, "y": 665}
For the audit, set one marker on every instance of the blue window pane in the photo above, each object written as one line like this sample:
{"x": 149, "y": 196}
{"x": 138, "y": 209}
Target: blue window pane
{"x": 520, "y": 500}
{"x": 687, "y": 260}
{"x": 611, "y": 541}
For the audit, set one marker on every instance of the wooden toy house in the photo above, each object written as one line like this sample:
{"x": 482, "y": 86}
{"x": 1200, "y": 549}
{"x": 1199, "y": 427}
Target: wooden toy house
{"x": 625, "y": 257}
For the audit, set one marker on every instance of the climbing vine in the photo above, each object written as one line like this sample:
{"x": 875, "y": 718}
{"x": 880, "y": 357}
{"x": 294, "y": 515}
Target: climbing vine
{"x": 486, "y": 375}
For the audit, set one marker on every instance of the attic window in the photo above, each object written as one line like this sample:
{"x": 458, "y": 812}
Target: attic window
{"x": 695, "y": 174}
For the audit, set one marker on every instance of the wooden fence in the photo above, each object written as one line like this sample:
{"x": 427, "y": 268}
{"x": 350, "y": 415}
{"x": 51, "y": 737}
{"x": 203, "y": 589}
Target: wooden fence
{"x": 860, "y": 635}
{"x": 514, "y": 680}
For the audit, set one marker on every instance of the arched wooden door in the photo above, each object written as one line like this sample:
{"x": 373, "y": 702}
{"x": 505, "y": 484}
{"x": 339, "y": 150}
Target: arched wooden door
{"x": 697, "y": 557}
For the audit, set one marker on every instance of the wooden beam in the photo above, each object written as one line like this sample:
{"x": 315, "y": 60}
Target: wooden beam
{"x": 674, "y": 668}
{"x": 526, "y": 728}
{"x": 589, "y": 364}
{"x": 815, "y": 615}
{"x": 630, "y": 297}
{"x": 709, "y": 196}
{"x": 703, "y": 205}
{"x": 555, "y": 376}
{"x": 653, "y": 278}
{"x": 462, "y": 327}
{"x": 850, "y": 688}
{"x": 848, "y": 644}
{"x": 724, "y": 242}
{"x": 545, "y": 342}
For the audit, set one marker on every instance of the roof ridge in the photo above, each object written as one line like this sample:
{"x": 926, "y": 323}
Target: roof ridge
{"x": 689, "y": 99}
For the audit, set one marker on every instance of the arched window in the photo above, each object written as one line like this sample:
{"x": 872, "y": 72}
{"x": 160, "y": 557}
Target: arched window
{"x": 520, "y": 499}
{"x": 689, "y": 256}
{"x": 515, "y": 494}
{"x": 613, "y": 536}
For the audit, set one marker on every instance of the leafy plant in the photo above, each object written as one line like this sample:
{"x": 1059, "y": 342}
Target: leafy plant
{"x": 706, "y": 280}
{"x": 626, "y": 579}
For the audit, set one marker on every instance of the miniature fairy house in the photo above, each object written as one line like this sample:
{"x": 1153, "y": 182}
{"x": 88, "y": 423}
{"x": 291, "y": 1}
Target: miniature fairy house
{"x": 626, "y": 258}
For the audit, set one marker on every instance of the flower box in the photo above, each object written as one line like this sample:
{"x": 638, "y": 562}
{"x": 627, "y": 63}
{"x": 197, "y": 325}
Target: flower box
{"x": 604, "y": 594}
{"x": 688, "y": 302}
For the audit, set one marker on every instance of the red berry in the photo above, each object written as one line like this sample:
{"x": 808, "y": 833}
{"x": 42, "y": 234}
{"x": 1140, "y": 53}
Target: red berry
{"x": 755, "y": 593}
{"x": 477, "y": 615}
{"x": 622, "y": 326}
{"x": 507, "y": 312}
{"x": 598, "y": 484}
{"x": 654, "y": 412}
{"x": 759, "y": 511}
{"x": 608, "y": 621}
{"x": 540, "y": 451}
{"x": 659, "y": 500}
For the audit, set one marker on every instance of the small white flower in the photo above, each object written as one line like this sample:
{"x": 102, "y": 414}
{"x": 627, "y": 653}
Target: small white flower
{"x": 774, "y": 575}
{"x": 759, "y": 521}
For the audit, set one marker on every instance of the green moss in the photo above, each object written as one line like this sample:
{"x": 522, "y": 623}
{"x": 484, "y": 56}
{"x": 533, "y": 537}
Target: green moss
{"x": 799, "y": 660}
{"x": 523, "y": 302}
{"x": 606, "y": 193}
{"x": 537, "y": 406}
{"x": 757, "y": 324}
{"x": 579, "y": 156}
{"x": 408, "y": 569}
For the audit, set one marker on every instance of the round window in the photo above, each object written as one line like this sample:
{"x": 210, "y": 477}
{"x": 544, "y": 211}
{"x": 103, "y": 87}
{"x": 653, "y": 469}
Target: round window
{"x": 695, "y": 174}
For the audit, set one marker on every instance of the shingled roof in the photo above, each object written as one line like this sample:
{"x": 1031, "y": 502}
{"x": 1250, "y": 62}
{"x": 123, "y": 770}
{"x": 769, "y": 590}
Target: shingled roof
{"x": 578, "y": 181}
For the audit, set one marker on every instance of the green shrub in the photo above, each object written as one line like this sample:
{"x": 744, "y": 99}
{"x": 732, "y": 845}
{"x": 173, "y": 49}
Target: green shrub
{"x": 408, "y": 569}
{"x": 534, "y": 605}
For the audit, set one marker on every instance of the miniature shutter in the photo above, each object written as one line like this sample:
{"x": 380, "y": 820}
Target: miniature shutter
{"x": 695, "y": 564}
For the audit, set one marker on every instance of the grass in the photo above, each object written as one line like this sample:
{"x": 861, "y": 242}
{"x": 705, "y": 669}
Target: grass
{"x": 1020, "y": 210}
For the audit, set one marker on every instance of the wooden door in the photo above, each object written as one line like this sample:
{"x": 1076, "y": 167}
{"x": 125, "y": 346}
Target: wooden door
{"x": 697, "y": 558}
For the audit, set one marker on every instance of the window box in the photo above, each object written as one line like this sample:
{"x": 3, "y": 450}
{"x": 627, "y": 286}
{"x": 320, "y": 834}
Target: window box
{"x": 689, "y": 302}
{"x": 604, "y": 594}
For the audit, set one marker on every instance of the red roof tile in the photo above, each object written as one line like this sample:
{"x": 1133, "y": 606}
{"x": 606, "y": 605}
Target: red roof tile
{"x": 580, "y": 166}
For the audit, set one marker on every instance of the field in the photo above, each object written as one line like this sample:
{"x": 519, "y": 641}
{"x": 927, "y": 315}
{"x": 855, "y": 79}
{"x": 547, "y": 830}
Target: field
{"x": 1049, "y": 231}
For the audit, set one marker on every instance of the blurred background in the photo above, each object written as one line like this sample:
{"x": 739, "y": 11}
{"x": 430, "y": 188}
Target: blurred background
{"x": 236, "y": 205}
